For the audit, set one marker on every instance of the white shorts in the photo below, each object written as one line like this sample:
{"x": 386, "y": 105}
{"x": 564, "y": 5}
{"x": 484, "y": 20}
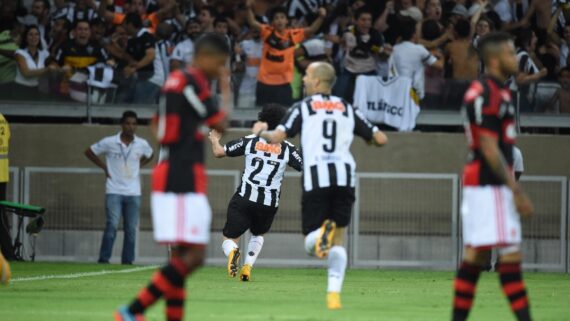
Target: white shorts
{"x": 490, "y": 218}
{"x": 181, "y": 218}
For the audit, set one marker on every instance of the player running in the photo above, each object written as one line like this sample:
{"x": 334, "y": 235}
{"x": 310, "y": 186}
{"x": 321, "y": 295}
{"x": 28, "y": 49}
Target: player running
{"x": 492, "y": 200}
{"x": 327, "y": 125}
{"x": 180, "y": 210}
{"x": 255, "y": 203}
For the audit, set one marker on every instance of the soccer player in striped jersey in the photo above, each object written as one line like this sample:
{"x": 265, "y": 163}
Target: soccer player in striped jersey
{"x": 327, "y": 125}
{"x": 255, "y": 203}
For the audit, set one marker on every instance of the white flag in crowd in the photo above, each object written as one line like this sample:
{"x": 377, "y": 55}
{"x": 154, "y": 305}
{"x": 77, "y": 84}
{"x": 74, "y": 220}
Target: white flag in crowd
{"x": 391, "y": 102}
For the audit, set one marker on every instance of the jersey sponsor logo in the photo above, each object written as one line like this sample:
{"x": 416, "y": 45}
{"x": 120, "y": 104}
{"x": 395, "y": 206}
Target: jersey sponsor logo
{"x": 235, "y": 146}
{"x": 174, "y": 83}
{"x": 268, "y": 148}
{"x": 385, "y": 107}
{"x": 511, "y": 131}
{"x": 328, "y": 106}
{"x": 275, "y": 58}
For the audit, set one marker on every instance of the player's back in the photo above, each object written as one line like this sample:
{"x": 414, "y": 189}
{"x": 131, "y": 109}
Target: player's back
{"x": 265, "y": 166}
{"x": 327, "y": 125}
{"x": 488, "y": 110}
{"x": 186, "y": 104}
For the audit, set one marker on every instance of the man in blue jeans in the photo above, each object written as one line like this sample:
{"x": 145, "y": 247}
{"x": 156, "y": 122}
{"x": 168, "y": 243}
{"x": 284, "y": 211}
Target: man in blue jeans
{"x": 125, "y": 153}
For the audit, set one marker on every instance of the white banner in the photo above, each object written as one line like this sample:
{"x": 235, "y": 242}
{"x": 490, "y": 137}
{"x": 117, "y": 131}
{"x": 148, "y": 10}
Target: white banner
{"x": 389, "y": 102}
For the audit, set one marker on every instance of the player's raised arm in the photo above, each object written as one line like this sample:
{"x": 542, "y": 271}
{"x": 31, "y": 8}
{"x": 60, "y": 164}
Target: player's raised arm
{"x": 217, "y": 148}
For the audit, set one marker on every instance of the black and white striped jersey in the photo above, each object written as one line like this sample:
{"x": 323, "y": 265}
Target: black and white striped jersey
{"x": 327, "y": 125}
{"x": 265, "y": 166}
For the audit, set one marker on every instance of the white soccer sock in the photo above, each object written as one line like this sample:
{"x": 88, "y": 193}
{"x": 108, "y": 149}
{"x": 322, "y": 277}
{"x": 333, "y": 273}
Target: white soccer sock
{"x": 337, "y": 266}
{"x": 253, "y": 249}
{"x": 228, "y": 246}
{"x": 311, "y": 241}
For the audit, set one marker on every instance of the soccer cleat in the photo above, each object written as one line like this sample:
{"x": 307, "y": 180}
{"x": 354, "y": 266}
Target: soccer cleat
{"x": 5, "y": 273}
{"x": 245, "y": 273}
{"x": 233, "y": 263}
{"x": 333, "y": 301}
{"x": 324, "y": 241}
{"x": 123, "y": 314}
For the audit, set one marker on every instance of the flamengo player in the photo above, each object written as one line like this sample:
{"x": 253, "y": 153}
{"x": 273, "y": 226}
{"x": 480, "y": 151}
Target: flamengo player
{"x": 180, "y": 210}
{"x": 327, "y": 125}
{"x": 492, "y": 199}
{"x": 255, "y": 203}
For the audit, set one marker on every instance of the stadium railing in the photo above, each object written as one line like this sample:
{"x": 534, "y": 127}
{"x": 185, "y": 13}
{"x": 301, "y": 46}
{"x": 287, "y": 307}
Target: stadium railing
{"x": 400, "y": 219}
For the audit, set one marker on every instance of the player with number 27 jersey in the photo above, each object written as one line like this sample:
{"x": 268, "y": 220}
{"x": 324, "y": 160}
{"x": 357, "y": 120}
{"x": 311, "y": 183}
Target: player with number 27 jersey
{"x": 255, "y": 203}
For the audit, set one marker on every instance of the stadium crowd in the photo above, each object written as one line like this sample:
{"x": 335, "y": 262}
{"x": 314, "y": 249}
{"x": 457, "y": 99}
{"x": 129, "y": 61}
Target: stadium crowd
{"x": 55, "y": 49}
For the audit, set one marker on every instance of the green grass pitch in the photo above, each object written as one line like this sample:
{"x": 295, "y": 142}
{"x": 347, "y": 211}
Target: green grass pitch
{"x": 274, "y": 295}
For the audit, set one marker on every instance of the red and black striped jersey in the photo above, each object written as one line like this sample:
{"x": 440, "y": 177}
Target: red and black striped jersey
{"x": 488, "y": 110}
{"x": 185, "y": 104}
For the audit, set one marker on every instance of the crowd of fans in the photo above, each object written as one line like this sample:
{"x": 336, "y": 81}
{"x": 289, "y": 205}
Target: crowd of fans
{"x": 53, "y": 49}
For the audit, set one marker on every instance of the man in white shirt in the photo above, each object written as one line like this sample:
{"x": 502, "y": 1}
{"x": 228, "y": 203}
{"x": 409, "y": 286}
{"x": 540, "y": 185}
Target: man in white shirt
{"x": 409, "y": 58}
{"x": 184, "y": 50}
{"x": 125, "y": 154}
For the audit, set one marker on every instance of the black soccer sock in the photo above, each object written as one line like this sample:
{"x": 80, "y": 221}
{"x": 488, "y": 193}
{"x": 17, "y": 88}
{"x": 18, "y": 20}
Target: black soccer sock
{"x": 175, "y": 304}
{"x": 168, "y": 281}
{"x": 465, "y": 285}
{"x": 515, "y": 290}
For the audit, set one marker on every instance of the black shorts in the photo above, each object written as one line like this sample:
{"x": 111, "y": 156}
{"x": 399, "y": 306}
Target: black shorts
{"x": 244, "y": 214}
{"x": 334, "y": 203}
{"x": 279, "y": 94}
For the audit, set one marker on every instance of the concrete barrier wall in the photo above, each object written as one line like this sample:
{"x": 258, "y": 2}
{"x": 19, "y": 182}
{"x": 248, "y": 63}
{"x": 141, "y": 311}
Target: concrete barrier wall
{"x": 63, "y": 146}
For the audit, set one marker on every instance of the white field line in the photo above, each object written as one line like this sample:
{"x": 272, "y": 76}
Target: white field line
{"x": 82, "y": 275}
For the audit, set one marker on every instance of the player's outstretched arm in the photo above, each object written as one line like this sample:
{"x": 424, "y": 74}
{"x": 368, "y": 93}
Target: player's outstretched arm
{"x": 251, "y": 16}
{"x": 217, "y": 148}
{"x": 276, "y": 136}
{"x": 379, "y": 138}
{"x": 314, "y": 28}
{"x": 495, "y": 160}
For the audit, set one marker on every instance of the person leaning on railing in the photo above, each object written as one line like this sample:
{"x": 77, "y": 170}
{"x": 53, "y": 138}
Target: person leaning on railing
{"x": 32, "y": 62}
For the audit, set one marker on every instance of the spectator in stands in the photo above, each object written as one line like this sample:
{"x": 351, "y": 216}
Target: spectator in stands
{"x": 460, "y": 54}
{"x": 408, "y": 58}
{"x": 32, "y": 60}
{"x": 40, "y": 17}
{"x": 184, "y": 50}
{"x": 58, "y": 33}
{"x": 9, "y": 37}
{"x": 140, "y": 48}
{"x": 565, "y": 47}
{"x": 277, "y": 63}
{"x": 433, "y": 10}
{"x": 248, "y": 59}
{"x": 163, "y": 49}
{"x": 78, "y": 53}
{"x": 560, "y": 102}
{"x": 207, "y": 16}
{"x": 150, "y": 20}
{"x": 462, "y": 62}
{"x": 529, "y": 73}
{"x": 125, "y": 154}
{"x": 80, "y": 10}
{"x": 435, "y": 77}
{"x": 363, "y": 45}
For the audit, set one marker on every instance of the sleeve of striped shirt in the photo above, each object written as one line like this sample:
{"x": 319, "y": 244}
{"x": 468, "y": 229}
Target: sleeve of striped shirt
{"x": 291, "y": 124}
{"x": 362, "y": 127}
{"x": 295, "y": 159}
{"x": 236, "y": 147}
